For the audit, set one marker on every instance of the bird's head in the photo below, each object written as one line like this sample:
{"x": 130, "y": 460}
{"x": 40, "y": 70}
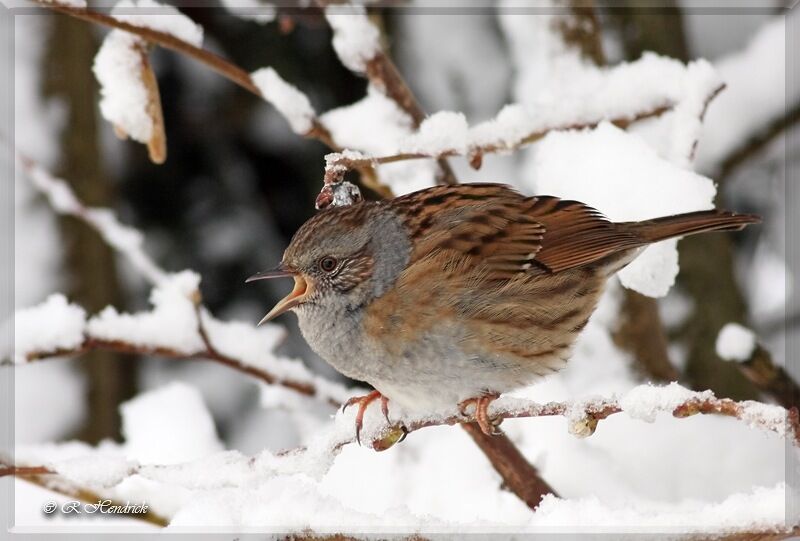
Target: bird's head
{"x": 342, "y": 258}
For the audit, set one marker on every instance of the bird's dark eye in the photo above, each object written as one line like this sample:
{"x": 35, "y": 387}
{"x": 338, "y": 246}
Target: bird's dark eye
{"x": 328, "y": 263}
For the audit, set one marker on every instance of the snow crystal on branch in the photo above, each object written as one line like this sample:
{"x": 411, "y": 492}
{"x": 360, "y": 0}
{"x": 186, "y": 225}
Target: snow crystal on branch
{"x": 80, "y": 4}
{"x": 54, "y": 325}
{"x": 735, "y": 342}
{"x": 646, "y": 401}
{"x": 286, "y": 98}
{"x": 355, "y": 39}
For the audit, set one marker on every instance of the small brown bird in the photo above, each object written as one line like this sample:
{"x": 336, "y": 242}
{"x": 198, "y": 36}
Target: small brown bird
{"x": 455, "y": 294}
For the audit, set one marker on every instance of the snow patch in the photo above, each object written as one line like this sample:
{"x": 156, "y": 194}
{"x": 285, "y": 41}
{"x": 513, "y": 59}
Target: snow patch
{"x": 168, "y": 425}
{"x": 286, "y": 98}
{"x": 355, "y": 39}
{"x": 172, "y": 323}
{"x": 735, "y": 342}
{"x": 646, "y": 401}
{"x": 50, "y": 326}
{"x": 95, "y": 470}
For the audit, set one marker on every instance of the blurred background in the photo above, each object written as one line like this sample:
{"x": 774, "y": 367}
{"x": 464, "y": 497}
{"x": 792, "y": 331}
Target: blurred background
{"x": 238, "y": 182}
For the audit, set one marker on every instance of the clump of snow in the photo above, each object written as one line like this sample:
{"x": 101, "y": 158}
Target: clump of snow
{"x": 120, "y": 62}
{"x": 735, "y": 342}
{"x": 621, "y": 176}
{"x": 95, "y": 470}
{"x": 159, "y": 17}
{"x": 50, "y": 326}
{"x": 355, "y": 39}
{"x": 286, "y": 98}
{"x": 646, "y": 401}
{"x": 589, "y": 95}
{"x": 252, "y": 10}
{"x": 168, "y": 425}
{"x": 439, "y": 133}
{"x": 171, "y": 324}
{"x": 124, "y": 96}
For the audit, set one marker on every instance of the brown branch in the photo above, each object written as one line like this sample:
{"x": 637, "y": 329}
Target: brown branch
{"x": 584, "y": 417}
{"x": 207, "y": 354}
{"x": 771, "y": 379}
{"x": 383, "y": 74}
{"x": 518, "y": 475}
{"x": 758, "y": 141}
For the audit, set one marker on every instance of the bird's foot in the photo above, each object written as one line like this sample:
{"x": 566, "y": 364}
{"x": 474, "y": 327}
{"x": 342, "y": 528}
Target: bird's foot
{"x": 481, "y": 403}
{"x": 363, "y": 402}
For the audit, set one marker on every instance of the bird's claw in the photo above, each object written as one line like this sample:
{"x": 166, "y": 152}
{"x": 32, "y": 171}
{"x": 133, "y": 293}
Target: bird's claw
{"x": 488, "y": 426}
{"x": 363, "y": 402}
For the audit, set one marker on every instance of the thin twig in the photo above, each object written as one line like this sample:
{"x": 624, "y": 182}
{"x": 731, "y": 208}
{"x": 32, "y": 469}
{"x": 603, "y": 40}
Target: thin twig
{"x": 119, "y": 346}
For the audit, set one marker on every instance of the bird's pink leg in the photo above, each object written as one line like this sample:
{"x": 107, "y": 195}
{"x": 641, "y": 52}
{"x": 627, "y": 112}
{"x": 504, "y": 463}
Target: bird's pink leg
{"x": 481, "y": 404}
{"x": 363, "y": 402}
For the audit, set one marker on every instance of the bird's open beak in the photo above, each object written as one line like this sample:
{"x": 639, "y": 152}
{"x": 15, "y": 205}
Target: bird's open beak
{"x": 296, "y": 297}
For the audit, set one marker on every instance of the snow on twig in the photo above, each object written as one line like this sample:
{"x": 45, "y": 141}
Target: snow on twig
{"x": 129, "y": 92}
{"x": 153, "y": 34}
{"x": 125, "y": 240}
{"x": 357, "y": 43}
{"x": 602, "y": 94}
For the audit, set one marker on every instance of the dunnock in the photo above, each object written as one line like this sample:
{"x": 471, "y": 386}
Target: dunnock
{"x": 454, "y": 294}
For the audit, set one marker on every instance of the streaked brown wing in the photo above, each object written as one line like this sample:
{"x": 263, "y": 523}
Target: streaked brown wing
{"x": 494, "y": 229}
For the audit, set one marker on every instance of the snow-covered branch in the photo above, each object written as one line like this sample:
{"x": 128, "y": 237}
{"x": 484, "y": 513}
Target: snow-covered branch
{"x": 739, "y": 345}
{"x": 125, "y": 240}
{"x": 357, "y": 43}
{"x": 644, "y": 403}
{"x": 177, "y": 327}
{"x": 601, "y": 96}
{"x": 250, "y": 82}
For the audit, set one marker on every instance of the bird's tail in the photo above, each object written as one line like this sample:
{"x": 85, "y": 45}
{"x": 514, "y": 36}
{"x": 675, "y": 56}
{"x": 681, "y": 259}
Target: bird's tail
{"x": 681, "y": 225}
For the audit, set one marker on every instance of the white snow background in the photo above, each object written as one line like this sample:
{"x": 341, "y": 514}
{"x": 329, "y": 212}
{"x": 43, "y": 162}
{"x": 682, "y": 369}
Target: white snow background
{"x": 702, "y": 474}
